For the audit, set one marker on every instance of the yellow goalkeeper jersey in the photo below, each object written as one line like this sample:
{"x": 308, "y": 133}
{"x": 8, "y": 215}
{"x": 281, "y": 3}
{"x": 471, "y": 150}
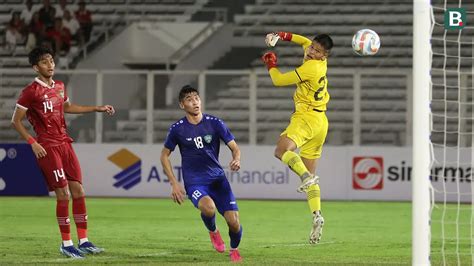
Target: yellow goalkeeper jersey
{"x": 310, "y": 79}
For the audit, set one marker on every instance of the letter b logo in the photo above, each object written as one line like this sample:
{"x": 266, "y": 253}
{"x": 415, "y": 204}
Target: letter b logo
{"x": 455, "y": 18}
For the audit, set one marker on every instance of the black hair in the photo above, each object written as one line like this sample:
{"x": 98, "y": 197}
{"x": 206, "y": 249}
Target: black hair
{"x": 325, "y": 41}
{"x": 37, "y": 53}
{"x": 185, "y": 90}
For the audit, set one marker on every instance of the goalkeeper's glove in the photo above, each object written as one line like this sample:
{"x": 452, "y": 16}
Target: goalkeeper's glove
{"x": 271, "y": 39}
{"x": 270, "y": 59}
{"x": 286, "y": 36}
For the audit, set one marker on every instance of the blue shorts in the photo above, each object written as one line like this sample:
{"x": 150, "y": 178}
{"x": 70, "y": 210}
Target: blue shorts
{"x": 219, "y": 191}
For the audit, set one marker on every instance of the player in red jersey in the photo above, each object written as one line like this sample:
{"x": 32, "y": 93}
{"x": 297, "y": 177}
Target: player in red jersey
{"x": 44, "y": 102}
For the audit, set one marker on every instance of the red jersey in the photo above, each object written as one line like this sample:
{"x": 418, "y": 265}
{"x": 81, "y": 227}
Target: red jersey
{"x": 64, "y": 35}
{"x": 84, "y": 16}
{"x": 45, "y": 111}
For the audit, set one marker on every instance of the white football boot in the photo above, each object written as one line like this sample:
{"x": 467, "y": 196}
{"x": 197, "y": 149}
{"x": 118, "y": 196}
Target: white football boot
{"x": 317, "y": 230}
{"x": 312, "y": 180}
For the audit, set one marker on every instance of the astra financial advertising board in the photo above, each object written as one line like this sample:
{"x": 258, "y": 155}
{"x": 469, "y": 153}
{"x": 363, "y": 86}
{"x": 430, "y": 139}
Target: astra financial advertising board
{"x": 346, "y": 173}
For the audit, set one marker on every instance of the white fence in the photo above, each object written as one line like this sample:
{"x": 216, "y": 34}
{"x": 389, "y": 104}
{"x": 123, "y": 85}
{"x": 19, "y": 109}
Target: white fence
{"x": 109, "y": 86}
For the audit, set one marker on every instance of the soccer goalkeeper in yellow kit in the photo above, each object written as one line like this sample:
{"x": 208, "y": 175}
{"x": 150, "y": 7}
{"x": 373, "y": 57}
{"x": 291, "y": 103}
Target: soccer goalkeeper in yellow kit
{"x": 308, "y": 125}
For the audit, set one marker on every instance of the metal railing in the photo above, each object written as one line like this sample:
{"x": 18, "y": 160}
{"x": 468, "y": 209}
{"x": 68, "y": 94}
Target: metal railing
{"x": 251, "y": 77}
{"x": 110, "y": 27}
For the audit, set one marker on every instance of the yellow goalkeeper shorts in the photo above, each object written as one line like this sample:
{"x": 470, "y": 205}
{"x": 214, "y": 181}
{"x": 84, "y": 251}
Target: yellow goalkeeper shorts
{"x": 308, "y": 130}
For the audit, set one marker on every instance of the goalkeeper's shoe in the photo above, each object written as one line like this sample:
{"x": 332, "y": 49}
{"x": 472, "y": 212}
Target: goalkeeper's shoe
{"x": 89, "y": 248}
{"x": 217, "y": 241}
{"x": 317, "y": 230}
{"x": 71, "y": 251}
{"x": 309, "y": 181}
{"x": 235, "y": 255}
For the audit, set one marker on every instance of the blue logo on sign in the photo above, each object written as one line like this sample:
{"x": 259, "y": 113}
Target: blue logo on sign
{"x": 132, "y": 169}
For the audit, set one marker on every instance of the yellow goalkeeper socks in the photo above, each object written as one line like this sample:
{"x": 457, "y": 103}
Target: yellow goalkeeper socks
{"x": 314, "y": 198}
{"x": 295, "y": 163}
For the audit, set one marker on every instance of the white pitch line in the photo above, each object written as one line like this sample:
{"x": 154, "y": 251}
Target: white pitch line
{"x": 54, "y": 260}
{"x": 155, "y": 254}
{"x": 297, "y": 245}
{"x": 70, "y": 259}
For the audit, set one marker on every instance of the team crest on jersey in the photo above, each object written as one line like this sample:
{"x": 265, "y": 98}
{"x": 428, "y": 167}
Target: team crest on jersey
{"x": 61, "y": 93}
{"x": 208, "y": 138}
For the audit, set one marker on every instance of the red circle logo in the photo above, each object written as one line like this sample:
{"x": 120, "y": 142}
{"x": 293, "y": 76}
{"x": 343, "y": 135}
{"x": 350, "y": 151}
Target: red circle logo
{"x": 367, "y": 173}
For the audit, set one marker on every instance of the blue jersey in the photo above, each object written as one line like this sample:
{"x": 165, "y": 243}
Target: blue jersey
{"x": 199, "y": 147}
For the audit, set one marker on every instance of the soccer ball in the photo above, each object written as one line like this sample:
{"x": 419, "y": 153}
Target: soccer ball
{"x": 366, "y": 42}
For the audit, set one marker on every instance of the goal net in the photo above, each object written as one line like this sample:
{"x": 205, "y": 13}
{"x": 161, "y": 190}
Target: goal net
{"x": 451, "y": 132}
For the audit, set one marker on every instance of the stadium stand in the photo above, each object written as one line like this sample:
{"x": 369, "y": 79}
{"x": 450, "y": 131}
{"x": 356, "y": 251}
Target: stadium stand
{"x": 384, "y": 96}
{"x": 108, "y": 16}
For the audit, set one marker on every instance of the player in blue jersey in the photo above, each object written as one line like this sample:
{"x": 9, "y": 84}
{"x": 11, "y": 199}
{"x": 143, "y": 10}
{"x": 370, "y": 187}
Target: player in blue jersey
{"x": 198, "y": 137}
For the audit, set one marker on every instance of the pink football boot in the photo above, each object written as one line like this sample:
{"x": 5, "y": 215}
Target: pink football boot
{"x": 235, "y": 255}
{"x": 217, "y": 241}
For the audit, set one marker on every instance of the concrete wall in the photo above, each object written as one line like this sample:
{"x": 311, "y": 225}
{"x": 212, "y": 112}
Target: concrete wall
{"x": 138, "y": 43}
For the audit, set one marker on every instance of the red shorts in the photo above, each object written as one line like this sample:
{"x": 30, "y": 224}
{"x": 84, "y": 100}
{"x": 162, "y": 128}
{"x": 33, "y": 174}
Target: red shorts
{"x": 60, "y": 165}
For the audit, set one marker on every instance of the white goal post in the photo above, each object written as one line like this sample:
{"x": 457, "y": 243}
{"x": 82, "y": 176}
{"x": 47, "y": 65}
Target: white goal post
{"x": 421, "y": 133}
{"x": 443, "y": 133}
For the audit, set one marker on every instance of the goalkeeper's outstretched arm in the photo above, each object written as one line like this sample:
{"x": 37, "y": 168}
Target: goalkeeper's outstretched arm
{"x": 272, "y": 38}
{"x": 283, "y": 79}
{"x": 298, "y": 39}
{"x": 278, "y": 78}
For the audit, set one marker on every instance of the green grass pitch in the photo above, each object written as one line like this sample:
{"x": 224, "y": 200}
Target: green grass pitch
{"x": 157, "y": 231}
